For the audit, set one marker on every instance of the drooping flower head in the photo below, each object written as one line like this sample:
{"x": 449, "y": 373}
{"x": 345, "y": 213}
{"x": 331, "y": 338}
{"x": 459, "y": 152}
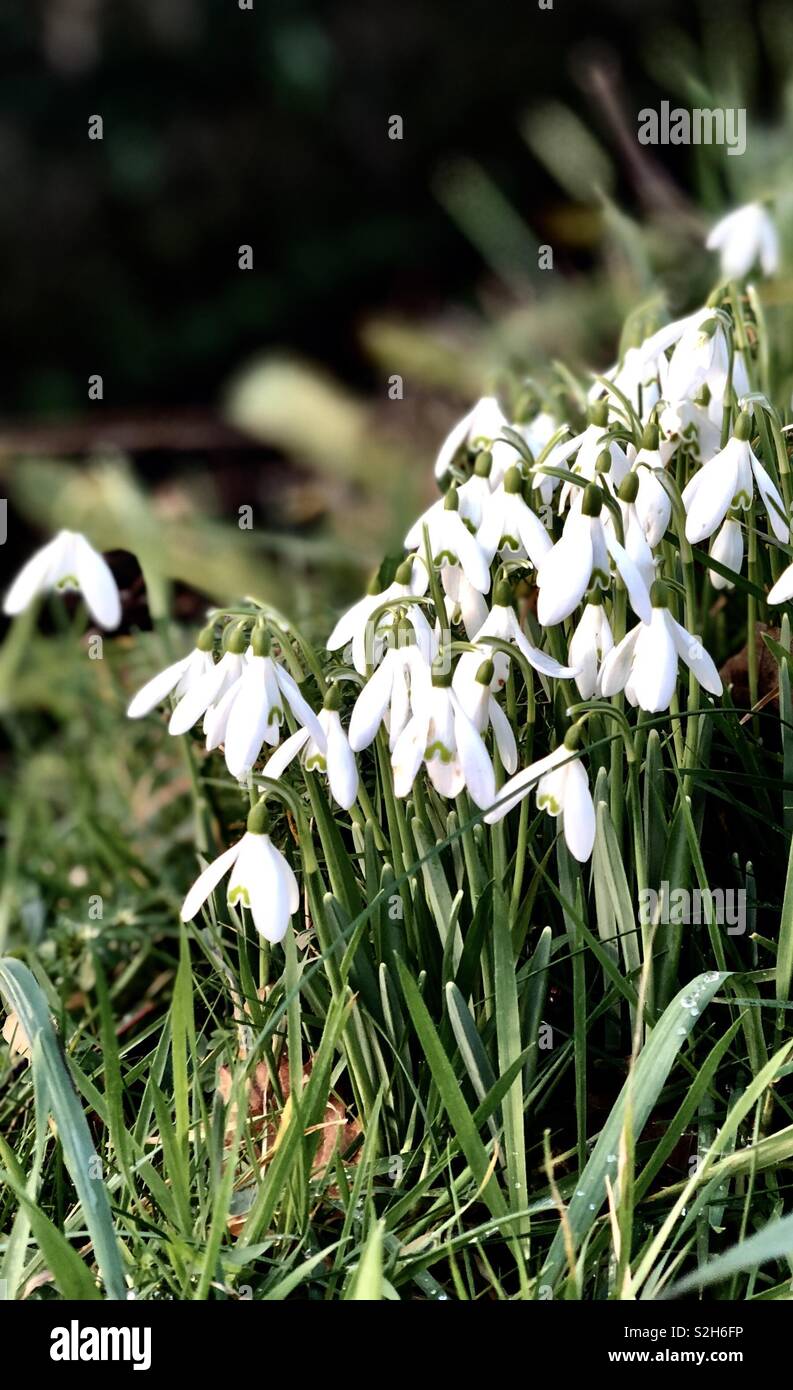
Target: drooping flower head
{"x": 68, "y": 562}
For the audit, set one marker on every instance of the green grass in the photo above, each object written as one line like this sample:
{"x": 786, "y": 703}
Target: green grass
{"x": 422, "y": 1011}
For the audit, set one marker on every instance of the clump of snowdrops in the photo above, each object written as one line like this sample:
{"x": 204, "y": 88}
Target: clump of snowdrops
{"x": 518, "y": 711}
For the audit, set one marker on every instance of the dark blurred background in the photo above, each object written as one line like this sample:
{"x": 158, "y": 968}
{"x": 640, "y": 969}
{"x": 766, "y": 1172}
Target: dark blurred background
{"x": 269, "y": 127}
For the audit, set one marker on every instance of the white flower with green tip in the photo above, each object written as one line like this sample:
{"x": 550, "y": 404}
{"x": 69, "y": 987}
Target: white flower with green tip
{"x": 562, "y": 789}
{"x": 251, "y": 712}
{"x": 726, "y": 483}
{"x": 68, "y": 562}
{"x": 336, "y": 759}
{"x": 590, "y": 644}
{"x": 261, "y": 880}
{"x": 580, "y": 559}
{"x": 440, "y": 734}
{"x": 477, "y": 430}
{"x": 508, "y": 524}
{"x": 644, "y": 664}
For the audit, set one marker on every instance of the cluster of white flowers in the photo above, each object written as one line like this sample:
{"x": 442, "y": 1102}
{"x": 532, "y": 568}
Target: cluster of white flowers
{"x": 590, "y": 521}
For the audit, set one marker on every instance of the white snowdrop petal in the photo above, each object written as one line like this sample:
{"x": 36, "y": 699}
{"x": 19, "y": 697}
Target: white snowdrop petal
{"x": 654, "y": 673}
{"x": 477, "y": 767}
{"x": 692, "y": 652}
{"x": 156, "y": 690}
{"x": 279, "y": 761}
{"x": 98, "y": 587}
{"x": 273, "y": 891}
{"x": 299, "y": 706}
{"x": 208, "y": 880}
{"x": 638, "y": 593}
{"x": 341, "y": 764}
{"x": 369, "y": 708}
{"x": 710, "y": 501}
{"x": 783, "y": 589}
{"x": 578, "y": 813}
{"x": 35, "y": 577}
{"x": 773, "y": 501}
{"x": 522, "y": 784}
{"x": 617, "y": 664}
{"x": 504, "y": 736}
{"x": 408, "y": 753}
{"x": 196, "y": 701}
{"x": 249, "y": 720}
{"x": 563, "y": 576}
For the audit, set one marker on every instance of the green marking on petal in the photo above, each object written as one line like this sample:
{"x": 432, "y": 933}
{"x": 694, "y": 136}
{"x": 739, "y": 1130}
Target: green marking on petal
{"x": 239, "y": 894}
{"x": 438, "y": 750}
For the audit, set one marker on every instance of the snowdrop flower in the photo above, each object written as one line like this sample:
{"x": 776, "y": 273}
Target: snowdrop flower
{"x": 441, "y": 735}
{"x": 501, "y": 623}
{"x": 562, "y": 790}
{"x": 727, "y": 483}
{"x": 451, "y": 543}
{"x": 261, "y": 880}
{"x": 355, "y": 626}
{"x": 477, "y": 700}
{"x": 701, "y": 357}
{"x": 391, "y": 695}
{"x": 464, "y": 604}
{"x": 177, "y": 679}
{"x": 590, "y": 644}
{"x": 687, "y": 423}
{"x": 783, "y": 589}
{"x": 335, "y": 758}
{"x": 477, "y": 430}
{"x": 68, "y": 562}
{"x": 581, "y": 557}
{"x": 644, "y": 663}
{"x": 653, "y": 503}
{"x": 744, "y": 237}
{"x": 209, "y": 687}
{"x": 636, "y": 543}
{"x": 252, "y": 710}
{"x": 727, "y": 548}
{"x": 509, "y": 524}
{"x": 596, "y": 455}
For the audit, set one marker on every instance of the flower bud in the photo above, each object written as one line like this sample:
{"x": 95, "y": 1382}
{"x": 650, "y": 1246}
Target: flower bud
{"x": 599, "y": 414}
{"x": 628, "y": 488}
{"x": 525, "y": 407}
{"x": 260, "y": 640}
{"x": 237, "y": 638}
{"x": 451, "y": 502}
{"x": 484, "y": 463}
{"x": 486, "y": 672}
{"x": 513, "y": 480}
{"x": 332, "y": 699}
{"x": 502, "y": 594}
{"x": 258, "y": 819}
{"x": 603, "y": 461}
{"x": 592, "y": 504}
{"x": 659, "y": 594}
{"x": 404, "y": 573}
{"x": 206, "y": 638}
{"x": 743, "y": 426}
{"x": 650, "y": 437}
